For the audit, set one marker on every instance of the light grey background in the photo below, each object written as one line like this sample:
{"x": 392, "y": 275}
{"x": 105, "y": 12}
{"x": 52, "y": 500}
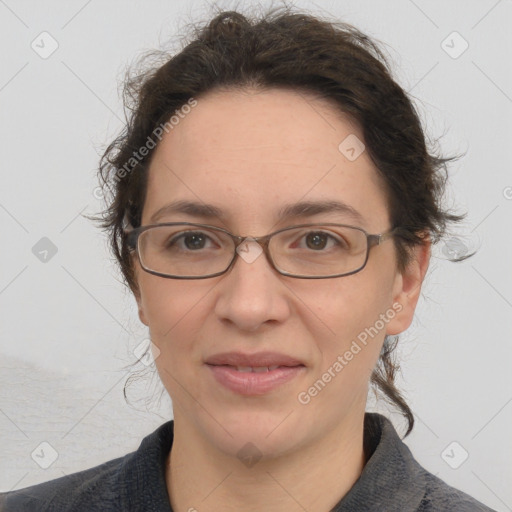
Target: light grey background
{"x": 68, "y": 327}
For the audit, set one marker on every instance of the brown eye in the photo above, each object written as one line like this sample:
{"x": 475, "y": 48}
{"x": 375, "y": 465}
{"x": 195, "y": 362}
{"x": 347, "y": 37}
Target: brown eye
{"x": 189, "y": 240}
{"x": 194, "y": 241}
{"x": 321, "y": 241}
{"x": 316, "y": 240}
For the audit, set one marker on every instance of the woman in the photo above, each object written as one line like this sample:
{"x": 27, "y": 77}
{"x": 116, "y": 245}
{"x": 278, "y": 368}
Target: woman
{"x": 273, "y": 212}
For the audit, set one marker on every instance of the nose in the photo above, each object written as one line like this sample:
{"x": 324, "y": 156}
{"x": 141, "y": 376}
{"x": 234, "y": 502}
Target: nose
{"x": 252, "y": 292}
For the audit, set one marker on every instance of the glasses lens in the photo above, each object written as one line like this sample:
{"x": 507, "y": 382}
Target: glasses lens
{"x": 185, "y": 251}
{"x": 320, "y": 250}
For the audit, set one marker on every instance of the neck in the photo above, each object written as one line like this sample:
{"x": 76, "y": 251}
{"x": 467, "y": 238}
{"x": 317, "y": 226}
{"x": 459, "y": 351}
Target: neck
{"x": 317, "y": 476}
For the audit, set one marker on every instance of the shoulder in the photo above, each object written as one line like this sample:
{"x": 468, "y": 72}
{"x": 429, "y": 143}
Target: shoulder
{"x": 135, "y": 482}
{"x": 96, "y": 486}
{"x": 393, "y": 480}
{"x": 441, "y": 496}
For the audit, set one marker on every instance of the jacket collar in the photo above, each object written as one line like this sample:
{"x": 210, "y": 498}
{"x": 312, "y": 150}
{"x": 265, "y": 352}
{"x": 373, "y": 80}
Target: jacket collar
{"x": 391, "y": 477}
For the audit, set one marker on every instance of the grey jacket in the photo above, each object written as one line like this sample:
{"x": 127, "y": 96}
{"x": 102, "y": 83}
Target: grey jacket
{"x": 392, "y": 481}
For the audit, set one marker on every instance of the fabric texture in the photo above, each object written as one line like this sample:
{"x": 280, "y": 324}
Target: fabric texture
{"x": 391, "y": 481}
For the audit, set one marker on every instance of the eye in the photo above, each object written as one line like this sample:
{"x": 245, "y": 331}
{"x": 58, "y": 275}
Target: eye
{"x": 320, "y": 240}
{"x": 189, "y": 240}
{"x": 317, "y": 240}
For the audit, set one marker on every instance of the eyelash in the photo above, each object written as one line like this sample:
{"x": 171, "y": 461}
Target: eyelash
{"x": 183, "y": 236}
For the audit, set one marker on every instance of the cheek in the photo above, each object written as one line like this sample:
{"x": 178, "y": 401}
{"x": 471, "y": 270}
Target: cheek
{"x": 176, "y": 311}
{"x": 348, "y": 318}
{"x": 347, "y": 328}
{"x": 348, "y": 305}
{"x": 170, "y": 304}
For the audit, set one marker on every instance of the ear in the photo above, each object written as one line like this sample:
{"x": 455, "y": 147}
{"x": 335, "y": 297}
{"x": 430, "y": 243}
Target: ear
{"x": 142, "y": 314}
{"x": 138, "y": 296}
{"x": 407, "y": 288}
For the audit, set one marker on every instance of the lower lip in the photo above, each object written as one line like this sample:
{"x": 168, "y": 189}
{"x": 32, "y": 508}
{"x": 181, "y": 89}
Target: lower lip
{"x": 254, "y": 383}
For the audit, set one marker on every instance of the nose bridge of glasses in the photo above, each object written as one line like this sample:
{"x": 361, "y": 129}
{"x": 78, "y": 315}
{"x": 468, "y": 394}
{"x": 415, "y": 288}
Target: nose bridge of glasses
{"x": 260, "y": 240}
{"x": 248, "y": 254}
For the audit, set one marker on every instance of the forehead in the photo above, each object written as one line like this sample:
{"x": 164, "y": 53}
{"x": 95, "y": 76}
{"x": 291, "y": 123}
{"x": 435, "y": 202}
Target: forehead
{"x": 251, "y": 151}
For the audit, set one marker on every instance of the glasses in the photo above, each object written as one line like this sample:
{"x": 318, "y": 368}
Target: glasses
{"x": 185, "y": 250}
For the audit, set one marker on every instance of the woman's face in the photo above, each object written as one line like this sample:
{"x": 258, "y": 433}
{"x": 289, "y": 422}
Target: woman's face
{"x": 249, "y": 154}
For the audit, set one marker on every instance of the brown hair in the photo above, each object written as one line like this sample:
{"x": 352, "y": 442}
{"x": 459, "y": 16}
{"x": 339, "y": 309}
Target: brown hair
{"x": 293, "y": 50}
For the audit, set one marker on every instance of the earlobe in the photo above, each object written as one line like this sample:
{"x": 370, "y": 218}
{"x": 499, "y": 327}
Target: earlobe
{"x": 142, "y": 315}
{"x": 140, "y": 307}
{"x": 408, "y": 287}
{"x": 136, "y": 290}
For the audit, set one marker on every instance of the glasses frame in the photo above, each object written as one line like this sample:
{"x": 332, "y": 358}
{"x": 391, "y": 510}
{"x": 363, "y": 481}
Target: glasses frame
{"x": 132, "y": 240}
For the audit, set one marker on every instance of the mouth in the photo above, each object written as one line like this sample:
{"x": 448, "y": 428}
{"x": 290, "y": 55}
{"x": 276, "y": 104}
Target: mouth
{"x": 260, "y": 361}
{"x": 254, "y": 380}
{"x": 255, "y": 369}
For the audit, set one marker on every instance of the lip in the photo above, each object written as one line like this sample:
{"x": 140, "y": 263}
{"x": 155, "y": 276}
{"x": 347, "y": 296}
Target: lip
{"x": 254, "y": 383}
{"x": 223, "y": 367}
{"x": 257, "y": 359}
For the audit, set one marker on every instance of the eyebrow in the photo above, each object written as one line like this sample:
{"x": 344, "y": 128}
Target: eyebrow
{"x": 300, "y": 209}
